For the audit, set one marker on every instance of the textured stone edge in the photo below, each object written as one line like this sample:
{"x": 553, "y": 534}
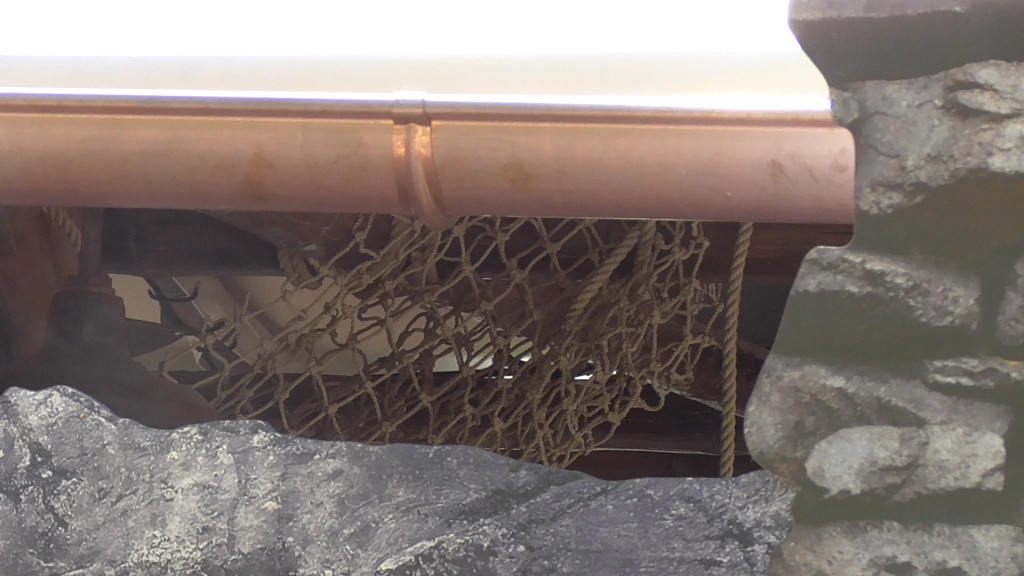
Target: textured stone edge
{"x": 35, "y": 418}
{"x": 884, "y": 547}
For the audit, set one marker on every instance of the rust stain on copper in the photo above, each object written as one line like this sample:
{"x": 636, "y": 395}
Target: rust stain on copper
{"x": 515, "y": 174}
{"x": 258, "y": 176}
{"x": 840, "y": 163}
{"x": 777, "y": 170}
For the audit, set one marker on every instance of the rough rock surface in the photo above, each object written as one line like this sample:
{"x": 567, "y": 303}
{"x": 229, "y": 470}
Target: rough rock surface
{"x": 883, "y": 303}
{"x": 84, "y": 492}
{"x": 852, "y": 40}
{"x": 904, "y": 464}
{"x": 894, "y": 390}
{"x": 940, "y": 133}
{"x": 1010, "y": 321}
{"x": 987, "y": 376}
{"x": 897, "y": 288}
{"x": 798, "y": 403}
{"x": 875, "y": 548}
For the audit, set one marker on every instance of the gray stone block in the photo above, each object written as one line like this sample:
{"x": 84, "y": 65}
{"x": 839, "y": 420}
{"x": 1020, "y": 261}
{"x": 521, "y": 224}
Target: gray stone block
{"x": 892, "y": 288}
{"x": 850, "y": 303}
{"x": 997, "y": 379}
{"x": 935, "y": 133}
{"x": 83, "y": 492}
{"x": 798, "y": 402}
{"x": 853, "y": 40}
{"x": 882, "y": 547}
{"x": 904, "y": 464}
{"x": 1010, "y": 319}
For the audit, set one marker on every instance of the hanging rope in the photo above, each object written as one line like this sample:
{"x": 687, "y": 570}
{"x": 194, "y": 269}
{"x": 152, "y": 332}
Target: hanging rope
{"x": 727, "y": 455}
{"x": 600, "y": 277}
{"x": 63, "y": 219}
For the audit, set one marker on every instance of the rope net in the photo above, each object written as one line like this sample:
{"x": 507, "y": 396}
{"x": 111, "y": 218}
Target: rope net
{"x": 530, "y": 337}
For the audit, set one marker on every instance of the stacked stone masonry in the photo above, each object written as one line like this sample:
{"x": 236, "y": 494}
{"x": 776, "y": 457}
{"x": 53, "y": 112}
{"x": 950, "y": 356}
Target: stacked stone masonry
{"x": 893, "y": 395}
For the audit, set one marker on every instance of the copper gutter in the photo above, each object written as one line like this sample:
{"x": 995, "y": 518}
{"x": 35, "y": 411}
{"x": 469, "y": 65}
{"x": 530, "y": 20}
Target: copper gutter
{"x": 416, "y": 155}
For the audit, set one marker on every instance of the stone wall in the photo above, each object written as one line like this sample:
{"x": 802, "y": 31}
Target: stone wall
{"x": 892, "y": 395}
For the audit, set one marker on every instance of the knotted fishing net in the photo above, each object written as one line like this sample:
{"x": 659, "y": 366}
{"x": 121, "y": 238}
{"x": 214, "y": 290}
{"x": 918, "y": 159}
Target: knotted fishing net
{"x": 530, "y": 337}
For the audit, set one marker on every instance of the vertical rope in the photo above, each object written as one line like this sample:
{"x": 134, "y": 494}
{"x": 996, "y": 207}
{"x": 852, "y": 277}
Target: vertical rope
{"x": 727, "y": 456}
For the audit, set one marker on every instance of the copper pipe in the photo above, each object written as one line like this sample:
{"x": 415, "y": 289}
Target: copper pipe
{"x": 438, "y": 159}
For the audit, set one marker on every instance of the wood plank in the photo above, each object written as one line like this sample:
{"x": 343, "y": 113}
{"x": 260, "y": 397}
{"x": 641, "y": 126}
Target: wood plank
{"x": 180, "y": 243}
{"x": 776, "y": 250}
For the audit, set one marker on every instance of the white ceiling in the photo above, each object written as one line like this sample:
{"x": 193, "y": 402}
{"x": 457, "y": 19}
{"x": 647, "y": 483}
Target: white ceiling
{"x": 395, "y": 27}
{"x": 719, "y": 54}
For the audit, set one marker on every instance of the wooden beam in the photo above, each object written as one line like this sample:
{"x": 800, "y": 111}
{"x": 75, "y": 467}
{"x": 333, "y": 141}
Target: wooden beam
{"x": 182, "y": 243}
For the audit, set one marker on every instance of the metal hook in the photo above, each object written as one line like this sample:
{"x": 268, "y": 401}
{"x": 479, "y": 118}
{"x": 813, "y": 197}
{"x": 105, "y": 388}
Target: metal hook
{"x": 155, "y": 294}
